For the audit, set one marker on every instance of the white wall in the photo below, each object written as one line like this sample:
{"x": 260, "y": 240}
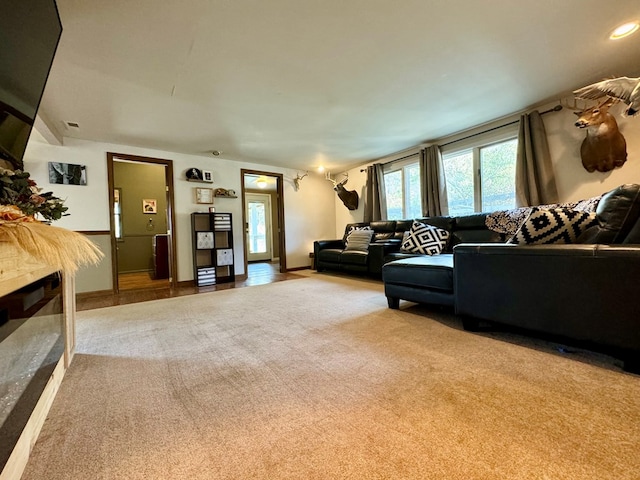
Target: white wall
{"x": 309, "y": 212}
{"x": 573, "y": 181}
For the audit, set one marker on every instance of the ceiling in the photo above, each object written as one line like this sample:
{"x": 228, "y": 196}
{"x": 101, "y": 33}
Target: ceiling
{"x": 300, "y": 84}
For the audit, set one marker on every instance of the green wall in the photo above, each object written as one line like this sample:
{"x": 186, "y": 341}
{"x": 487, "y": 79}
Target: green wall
{"x": 139, "y": 181}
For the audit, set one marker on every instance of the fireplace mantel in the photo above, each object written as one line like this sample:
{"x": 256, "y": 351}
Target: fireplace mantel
{"x": 18, "y": 270}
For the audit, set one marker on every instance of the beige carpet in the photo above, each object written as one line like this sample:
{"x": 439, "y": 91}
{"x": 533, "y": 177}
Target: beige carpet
{"x": 317, "y": 379}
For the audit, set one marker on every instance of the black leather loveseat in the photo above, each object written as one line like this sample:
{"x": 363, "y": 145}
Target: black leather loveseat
{"x": 386, "y": 242}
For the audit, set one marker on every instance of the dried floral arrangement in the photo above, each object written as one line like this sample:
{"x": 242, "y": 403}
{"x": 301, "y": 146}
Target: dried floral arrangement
{"x": 25, "y": 212}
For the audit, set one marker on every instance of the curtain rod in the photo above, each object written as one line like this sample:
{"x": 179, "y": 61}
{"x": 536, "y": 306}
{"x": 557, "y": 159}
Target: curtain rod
{"x": 557, "y": 108}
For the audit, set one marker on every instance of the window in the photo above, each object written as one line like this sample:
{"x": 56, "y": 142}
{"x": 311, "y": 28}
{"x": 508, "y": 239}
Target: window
{"x": 481, "y": 178}
{"x": 402, "y": 190}
{"x": 117, "y": 212}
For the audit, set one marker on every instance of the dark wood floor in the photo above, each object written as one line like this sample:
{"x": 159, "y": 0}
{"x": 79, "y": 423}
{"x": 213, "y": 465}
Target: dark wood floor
{"x": 141, "y": 287}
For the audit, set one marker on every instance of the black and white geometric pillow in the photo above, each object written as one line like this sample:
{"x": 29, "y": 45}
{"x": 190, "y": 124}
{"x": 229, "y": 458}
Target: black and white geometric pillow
{"x": 425, "y": 239}
{"x": 557, "y": 225}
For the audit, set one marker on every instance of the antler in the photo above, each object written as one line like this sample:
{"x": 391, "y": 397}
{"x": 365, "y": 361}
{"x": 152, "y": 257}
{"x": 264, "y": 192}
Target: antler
{"x": 327, "y": 176}
{"x": 575, "y": 106}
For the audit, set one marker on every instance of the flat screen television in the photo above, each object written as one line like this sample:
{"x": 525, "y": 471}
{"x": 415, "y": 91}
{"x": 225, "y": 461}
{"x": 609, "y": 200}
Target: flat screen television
{"x": 29, "y": 35}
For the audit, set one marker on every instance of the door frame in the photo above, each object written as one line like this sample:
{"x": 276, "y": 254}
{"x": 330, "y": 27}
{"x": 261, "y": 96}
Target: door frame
{"x": 280, "y": 209}
{"x": 171, "y": 221}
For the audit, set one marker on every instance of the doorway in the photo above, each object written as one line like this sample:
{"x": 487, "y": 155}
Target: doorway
{"x": 263, "y": 221}
{"x": 141, "y": 216}
{"x": 259, "y": 227}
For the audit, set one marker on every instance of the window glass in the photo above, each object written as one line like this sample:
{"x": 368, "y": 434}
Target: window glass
{"x": 458, "y": 170}
{"x": 402, "y": 189}
{"x": 413, "y": 202}
{"x": 481, "y": 178}
{"x": 498, "y": 173}
{"x": 393, "y": 191}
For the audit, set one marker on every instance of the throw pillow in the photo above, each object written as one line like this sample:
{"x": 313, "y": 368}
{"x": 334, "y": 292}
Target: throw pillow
{"x": 354, "y": 228}
{"x": 558, "y": 225}
{"x": 359, "y": 240}
{"x": 425, "y": 239}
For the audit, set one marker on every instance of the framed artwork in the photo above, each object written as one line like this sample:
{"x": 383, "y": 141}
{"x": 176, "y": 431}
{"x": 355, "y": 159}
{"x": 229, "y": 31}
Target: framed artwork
{"x": 204, "y": 195}
{"x": 204, "y": 240}
{"x": 207, "y": 176}
{"x": 67, "y": 173}
{"x": 149, "y": 205}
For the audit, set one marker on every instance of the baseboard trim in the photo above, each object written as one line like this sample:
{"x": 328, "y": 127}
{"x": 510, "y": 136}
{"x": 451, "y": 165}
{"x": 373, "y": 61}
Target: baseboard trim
{"x": 295, "y": 269}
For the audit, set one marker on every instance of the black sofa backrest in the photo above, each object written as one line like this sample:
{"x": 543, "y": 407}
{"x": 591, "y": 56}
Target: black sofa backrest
{"x": 618, "y": 215}
{"x": 473, "y": 229}
{"x": 465, "y": 229}
{"x": 383, "y": 230}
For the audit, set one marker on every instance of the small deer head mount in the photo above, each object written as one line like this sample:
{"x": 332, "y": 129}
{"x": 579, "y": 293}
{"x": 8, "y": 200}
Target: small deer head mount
{"x": 296, "y": 181}
{"x": 349, "y": 197}
{"x": 604, "y": 148}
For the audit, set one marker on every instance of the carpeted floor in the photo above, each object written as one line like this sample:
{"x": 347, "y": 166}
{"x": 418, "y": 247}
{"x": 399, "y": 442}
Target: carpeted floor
{"x": 318, "y": 379}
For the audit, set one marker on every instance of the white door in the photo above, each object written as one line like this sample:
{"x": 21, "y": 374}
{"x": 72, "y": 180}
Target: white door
{"x": 258, "y": 217}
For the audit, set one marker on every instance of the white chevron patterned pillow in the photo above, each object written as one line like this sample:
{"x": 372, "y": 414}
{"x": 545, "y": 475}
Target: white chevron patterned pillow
{"x": 425, "y": 239}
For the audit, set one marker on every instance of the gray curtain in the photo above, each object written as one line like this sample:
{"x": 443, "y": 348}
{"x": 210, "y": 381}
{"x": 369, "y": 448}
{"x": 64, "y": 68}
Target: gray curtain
{"x": 434, "y": 186}
{"x": 535, "y": 180}
{"x": 375, "y": 205}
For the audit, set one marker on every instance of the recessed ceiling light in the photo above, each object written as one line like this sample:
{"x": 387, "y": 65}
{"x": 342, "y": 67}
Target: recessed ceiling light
{"x": 624, "y": 30}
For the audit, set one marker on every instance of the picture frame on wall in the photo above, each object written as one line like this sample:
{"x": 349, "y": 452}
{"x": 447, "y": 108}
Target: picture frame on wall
{"x": 67, "y": 173}
{"x": 207, "y": 176}
{"x": 204, "y": 196}
{"x": 149, "y": 205}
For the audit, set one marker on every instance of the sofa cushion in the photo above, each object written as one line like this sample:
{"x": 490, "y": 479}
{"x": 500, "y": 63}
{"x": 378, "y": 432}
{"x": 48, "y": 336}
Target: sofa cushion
{"x": 422, "y": 272}
{"x": 331, "y": 255}
{"x": 384, "y": 230}
{"x": 473, "y": 229}
{"x": 617, "y": 213}
{"x": 359, "y": 240}
{"x": 425, "y": 239}
{"x": 353, "y": 257}
{"x": 557, "y": 225}
{"x": 445, "y": 223}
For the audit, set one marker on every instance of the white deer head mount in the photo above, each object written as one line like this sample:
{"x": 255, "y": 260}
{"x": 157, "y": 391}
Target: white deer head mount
{"x": 296, "y": 181}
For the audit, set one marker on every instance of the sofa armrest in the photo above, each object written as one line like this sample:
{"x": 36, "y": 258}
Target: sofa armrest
{"x": 377, "y": 252}
{"x": 322, "y": 244}
{"x": 584, "y": 292}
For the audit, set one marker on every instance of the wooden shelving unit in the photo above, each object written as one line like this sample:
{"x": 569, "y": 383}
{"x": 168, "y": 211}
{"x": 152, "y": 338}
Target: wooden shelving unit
{"x": 213, "y": 260}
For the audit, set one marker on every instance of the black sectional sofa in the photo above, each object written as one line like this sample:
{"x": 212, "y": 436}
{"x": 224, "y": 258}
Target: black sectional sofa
{"x": 586, "y": 292}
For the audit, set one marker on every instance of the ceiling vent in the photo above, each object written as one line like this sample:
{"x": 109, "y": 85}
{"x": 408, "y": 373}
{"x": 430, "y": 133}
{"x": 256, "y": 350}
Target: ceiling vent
{"x": 72, "y": 124}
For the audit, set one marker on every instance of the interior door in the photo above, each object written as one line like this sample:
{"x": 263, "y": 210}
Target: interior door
{"x": 258, "y": 215}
